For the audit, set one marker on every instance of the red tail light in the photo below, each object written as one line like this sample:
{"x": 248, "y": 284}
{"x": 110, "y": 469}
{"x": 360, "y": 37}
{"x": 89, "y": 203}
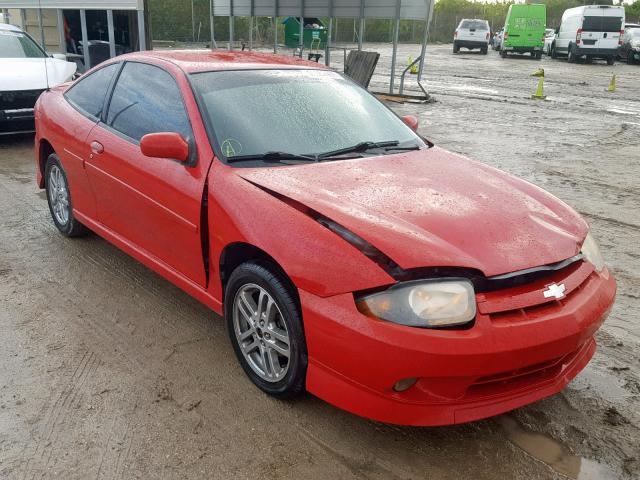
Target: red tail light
{"x": 487, "y": 35}
{"x": 578, "y": 35}
{"x": 620, "y": 39}
{"x": 455, "y": 34}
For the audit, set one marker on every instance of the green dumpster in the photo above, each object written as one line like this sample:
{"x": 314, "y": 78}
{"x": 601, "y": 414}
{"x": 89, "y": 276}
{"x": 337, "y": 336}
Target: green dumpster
{"x": 314, "y": 36}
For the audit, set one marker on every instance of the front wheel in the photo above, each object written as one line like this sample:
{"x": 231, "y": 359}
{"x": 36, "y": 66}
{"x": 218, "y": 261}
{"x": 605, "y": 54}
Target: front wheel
{"x": 265, "y": 327}
{"x": 630, "y": 58}
{"x": 59, "y": 199}
{"x": 554, "y": 54}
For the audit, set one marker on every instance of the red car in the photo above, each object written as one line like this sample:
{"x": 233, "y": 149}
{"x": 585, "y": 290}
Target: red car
{"x": 349, "y": 256}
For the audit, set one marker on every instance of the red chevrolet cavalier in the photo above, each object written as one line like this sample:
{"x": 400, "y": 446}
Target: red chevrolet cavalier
{"x": 349, "y": 256}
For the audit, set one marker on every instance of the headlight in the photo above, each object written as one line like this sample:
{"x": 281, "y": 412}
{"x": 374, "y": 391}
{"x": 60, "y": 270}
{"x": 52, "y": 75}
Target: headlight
{"x": 591, "y": 252}
{"x": 423, "y": 303}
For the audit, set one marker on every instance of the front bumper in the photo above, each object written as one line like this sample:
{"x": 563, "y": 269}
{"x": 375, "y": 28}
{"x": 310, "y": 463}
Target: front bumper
{"x": 16, "y": 110}
{"x": 510, "y": 357}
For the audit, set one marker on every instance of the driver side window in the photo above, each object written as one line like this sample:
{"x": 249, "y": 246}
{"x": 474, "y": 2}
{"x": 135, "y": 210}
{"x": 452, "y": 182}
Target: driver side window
{"x": 146, "y": 99}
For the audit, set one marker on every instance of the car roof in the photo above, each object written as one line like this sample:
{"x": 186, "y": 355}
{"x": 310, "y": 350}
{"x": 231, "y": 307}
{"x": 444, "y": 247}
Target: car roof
{"x": 192, "y": 61}
{"x": 12, "y": 28}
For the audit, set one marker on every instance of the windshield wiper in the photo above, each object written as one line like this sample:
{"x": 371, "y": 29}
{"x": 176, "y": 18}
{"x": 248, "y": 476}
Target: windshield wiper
{"x": 359, "y": 147}
{"x": 272, "y": 157}
{"x": 411, "y": 147}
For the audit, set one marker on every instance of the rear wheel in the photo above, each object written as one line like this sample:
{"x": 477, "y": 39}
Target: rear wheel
{"x": 265, "y": 328}
{"x": 630, "y": 58}
{"x": 59, "y": 199}
{"x": 503, "y": 53}
{"x": 456, "y": 48}
{"x": 571, "y": 56}
{"x": 484, "y": 50}
{"x": 611, "y": 60}
{"x": 538, "y": 55}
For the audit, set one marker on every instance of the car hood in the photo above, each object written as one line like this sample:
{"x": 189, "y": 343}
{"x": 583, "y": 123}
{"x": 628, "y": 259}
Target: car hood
{"x": 29, "y": 73}
{"x": 433, "y": 208}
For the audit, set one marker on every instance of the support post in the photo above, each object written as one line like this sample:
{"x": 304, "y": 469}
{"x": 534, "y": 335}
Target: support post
{"x": 213, "y": 32}
{"x": 142, "y": 37}
{"x": 5, "y": 15}
{"x": 23, "y": 18}
{"x": 361, "y": 26}
{"x": 251, "y": 12}
{"x": 396, "y": 32}
{"x": 423, "y": 53}
{"x": 61, "y": 37}
{"x": 111, "y": 34}
{"x": 327, "y": 48}
{"x": 231, "y": 25}
{"x": 41, "y": 26}
{"x": 193, "y": 24}
{"x": 301, "y": 40}
{"x": 275, "y": 26}
{"x": 85, "y": 40}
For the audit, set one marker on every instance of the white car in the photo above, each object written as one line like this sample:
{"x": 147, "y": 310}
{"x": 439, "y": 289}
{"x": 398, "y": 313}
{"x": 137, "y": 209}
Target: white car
{"x": 27, "y": 70}
{"x": 470, "y": 34}
{"x": 591, "y": 31}
{"x": 549, "y": 37}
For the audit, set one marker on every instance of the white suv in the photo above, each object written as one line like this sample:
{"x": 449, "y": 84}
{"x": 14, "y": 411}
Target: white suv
{"x": 472, "y": 33}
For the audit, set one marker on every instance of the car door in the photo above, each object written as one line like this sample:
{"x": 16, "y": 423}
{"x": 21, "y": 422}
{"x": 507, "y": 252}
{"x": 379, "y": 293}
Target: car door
{"x": 85, "y": 101}
{"x": 153, "y": 203}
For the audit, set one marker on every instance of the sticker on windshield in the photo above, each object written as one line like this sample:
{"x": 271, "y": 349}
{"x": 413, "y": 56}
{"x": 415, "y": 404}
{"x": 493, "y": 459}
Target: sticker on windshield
{"x": 231, "y": 147}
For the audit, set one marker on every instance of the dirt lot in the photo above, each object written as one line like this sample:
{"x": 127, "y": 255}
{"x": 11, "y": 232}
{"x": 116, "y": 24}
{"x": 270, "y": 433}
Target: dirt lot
{"x": 108, "y": 371}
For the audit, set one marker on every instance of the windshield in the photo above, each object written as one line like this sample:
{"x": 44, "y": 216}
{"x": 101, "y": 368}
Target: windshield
{"x": 301, "y": 112}
{"x": 475, "y": 24}
{"x": 18, "y": 45}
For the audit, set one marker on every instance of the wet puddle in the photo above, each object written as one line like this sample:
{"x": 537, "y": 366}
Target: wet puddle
{"x": 552, "y": 453}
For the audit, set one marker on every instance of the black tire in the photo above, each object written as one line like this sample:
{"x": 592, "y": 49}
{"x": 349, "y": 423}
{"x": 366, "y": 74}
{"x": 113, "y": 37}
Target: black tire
{"x": 71, "y": 227}
{"x": 554, "y": 53}
{"x": 571, "y": 56}
{"x": 484, "y": 50}
{"x": 538, "y": 55}
{"x": 456, "y": 48}
{"x": 630, "y": 58}
{"x": 611, "y": 60}
{"x": 268, "y": 277}
{"x": 503, "y": 53}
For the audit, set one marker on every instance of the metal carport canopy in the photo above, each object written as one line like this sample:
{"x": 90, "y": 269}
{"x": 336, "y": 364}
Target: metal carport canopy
{"x": 409, "y": 9}
{"x": 75, "y": 4}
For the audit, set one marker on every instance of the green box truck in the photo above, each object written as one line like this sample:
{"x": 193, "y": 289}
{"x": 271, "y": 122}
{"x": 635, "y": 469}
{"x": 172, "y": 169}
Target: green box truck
{"x": 524, "y": 30}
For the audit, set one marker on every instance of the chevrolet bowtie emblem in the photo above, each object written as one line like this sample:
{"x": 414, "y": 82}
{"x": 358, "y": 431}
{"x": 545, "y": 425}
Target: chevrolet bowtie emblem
{"x": 554, "y": 290}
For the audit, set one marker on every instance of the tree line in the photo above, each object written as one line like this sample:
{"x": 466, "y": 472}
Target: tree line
{"x": 188, "y": 21}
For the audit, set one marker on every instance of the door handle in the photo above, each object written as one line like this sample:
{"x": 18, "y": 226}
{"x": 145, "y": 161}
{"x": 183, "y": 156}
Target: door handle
{"x": 96, "y": 147}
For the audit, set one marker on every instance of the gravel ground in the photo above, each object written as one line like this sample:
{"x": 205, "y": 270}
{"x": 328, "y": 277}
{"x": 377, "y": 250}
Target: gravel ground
{"x": 108, "y": 371}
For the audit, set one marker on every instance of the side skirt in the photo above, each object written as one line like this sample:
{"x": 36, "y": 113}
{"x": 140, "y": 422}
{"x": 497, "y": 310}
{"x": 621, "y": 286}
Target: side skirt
{"x": 154, "y": 263}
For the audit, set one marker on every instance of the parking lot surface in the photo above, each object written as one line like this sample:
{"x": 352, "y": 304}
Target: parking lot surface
{"x": 108, "y": 371}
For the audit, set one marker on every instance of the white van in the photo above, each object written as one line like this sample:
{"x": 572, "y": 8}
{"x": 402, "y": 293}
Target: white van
{"x": 591, "y": 31}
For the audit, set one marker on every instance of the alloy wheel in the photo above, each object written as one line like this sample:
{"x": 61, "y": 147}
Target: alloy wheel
{"x": 58, "y": 195}
{"x": 261, "y": 332}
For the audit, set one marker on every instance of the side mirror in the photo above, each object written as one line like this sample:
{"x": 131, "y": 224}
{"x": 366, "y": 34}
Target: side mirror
{"x": 411, "y": 121}
{"x": 165, "y": 145}
{"x": 59, "y": 56}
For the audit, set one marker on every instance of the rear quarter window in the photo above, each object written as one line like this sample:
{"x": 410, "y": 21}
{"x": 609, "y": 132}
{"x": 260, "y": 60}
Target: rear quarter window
{"x": 88, "y": 93}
